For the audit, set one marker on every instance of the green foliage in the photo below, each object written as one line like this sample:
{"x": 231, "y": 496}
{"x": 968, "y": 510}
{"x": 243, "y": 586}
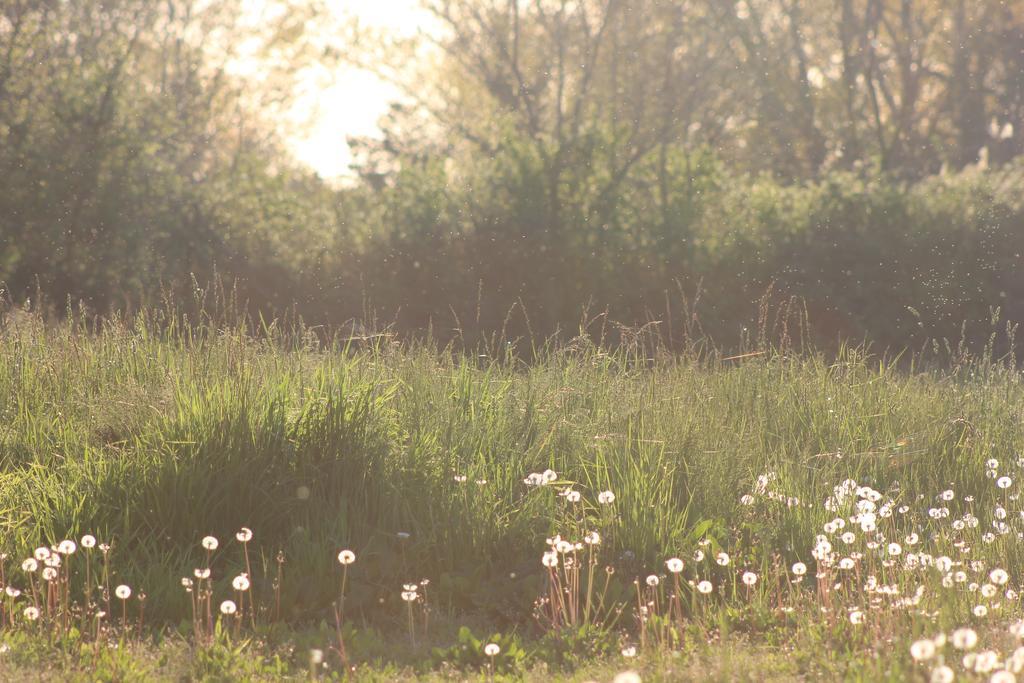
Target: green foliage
{"x": 468, "y": 653}
{"x": 570, "y": 647}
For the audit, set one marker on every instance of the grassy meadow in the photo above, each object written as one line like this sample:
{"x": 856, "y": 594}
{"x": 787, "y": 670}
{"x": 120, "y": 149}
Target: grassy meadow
{"x": 592, "y": 514}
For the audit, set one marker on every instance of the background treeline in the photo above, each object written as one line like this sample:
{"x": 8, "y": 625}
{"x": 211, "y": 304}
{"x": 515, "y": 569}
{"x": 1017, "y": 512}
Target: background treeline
{"x": 699, "y": 163}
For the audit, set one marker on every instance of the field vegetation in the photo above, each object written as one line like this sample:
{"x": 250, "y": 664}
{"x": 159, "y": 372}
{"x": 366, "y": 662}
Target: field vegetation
{"x": 258, "y": 501}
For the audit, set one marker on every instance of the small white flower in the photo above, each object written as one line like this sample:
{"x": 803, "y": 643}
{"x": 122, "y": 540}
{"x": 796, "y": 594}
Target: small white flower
{"x": 228, "y": 607}
{"x": 67, "y": 547}
{"x": 705, "y": 587}
{"x": 964, "y": 638}
{"x": 240, "y": 582}
{"x": 210, "y": 543}
{"x": 722, "y": 559}
{"x": 1004, "y": 482}
{"x": 346, "y": 557}
{"x": 549, "y": 559}
{"x": 244, "y": 534}
{"x": 629, "y": 651}
{"x": 606, "y": 498}
{"x": 674, "y": 565}
{"x": 41, "y": 553}
{"x": 31, "y": 613}
{"x": 201, "y": 573}
{"x": 88, "y": 541}
{"x": 922, "y": 650}
{"x": 29, "y": 565}
{"x": 12, "y": 592}
{"x": 123, "y": 592}
{"x": 942, "y": 674}
{"x": 491, "y": 649}
{"x": 653, "y": 580}
{"x": 799, "y": 568}
{"x": 749, "y": 578}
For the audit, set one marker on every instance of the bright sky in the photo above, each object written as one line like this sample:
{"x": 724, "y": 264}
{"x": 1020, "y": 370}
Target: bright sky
{"x": 332, "y": 106}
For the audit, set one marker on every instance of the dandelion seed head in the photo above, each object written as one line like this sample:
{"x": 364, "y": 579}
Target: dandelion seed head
{"x": 346, "y": 557}
{"x": 244, "y": 534}
{"x": 123, "y": 592}
{"x": 228, "y": 607}
{"x": 922, "y": 650}
{"x": 491, "y": 649}
{"x": 964, "y": 638}
{"x": 674, "y": 565}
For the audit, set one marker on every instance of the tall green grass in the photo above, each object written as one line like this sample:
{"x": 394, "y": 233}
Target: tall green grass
{"x": 151, "y": 435}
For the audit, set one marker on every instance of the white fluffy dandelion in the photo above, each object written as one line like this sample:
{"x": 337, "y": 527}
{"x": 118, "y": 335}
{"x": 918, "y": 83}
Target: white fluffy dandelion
{"x": 228, "y": 607}
{"x": 123, "y": 592}
{"x": 674, "y": 565}
{"x": 964, "y": 638}
{"x": 606, "y": 498}
{"x": 922, "y": 650}
{"x": 210, "y": 543}
{"x": 346, "y": 557}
